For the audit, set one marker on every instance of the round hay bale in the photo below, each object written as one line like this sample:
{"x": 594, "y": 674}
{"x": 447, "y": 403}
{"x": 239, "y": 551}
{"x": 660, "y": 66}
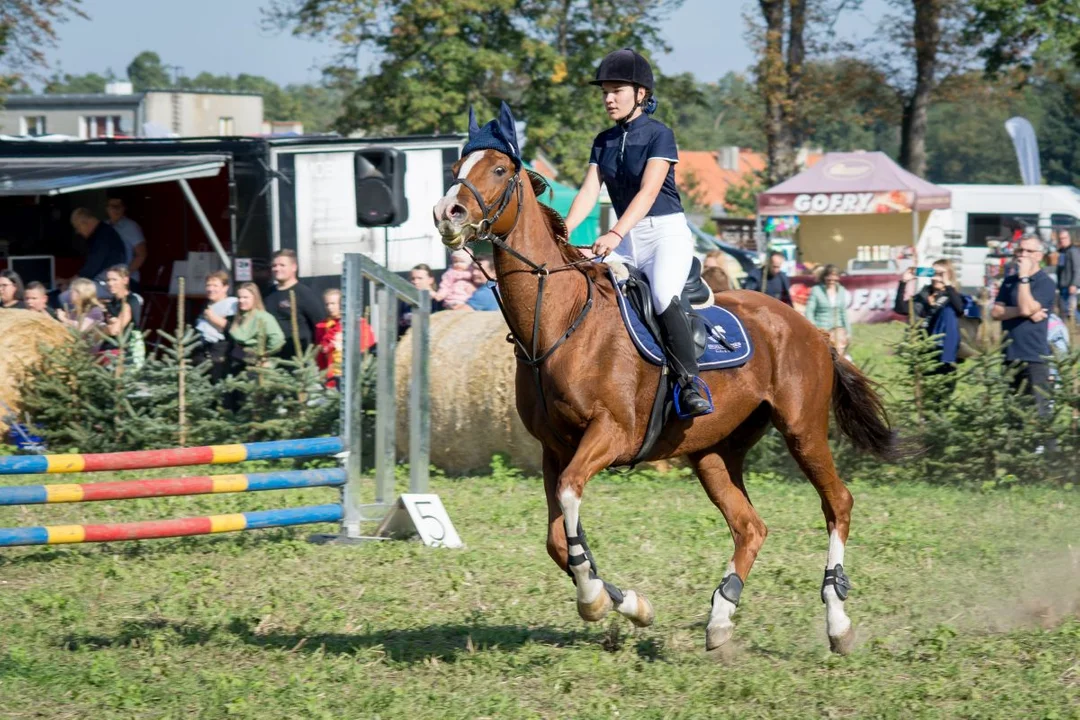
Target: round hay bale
{"x": 473, "y": 410}
{"x": 22, "y": 332}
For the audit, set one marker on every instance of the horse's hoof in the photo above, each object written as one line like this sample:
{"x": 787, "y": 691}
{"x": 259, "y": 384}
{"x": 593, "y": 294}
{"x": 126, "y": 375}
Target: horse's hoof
{"x": 843, "y": 644}
{"x": 597, "y": 609}
{"x": 717, "y": 635}
{"x": 643, "y": 615}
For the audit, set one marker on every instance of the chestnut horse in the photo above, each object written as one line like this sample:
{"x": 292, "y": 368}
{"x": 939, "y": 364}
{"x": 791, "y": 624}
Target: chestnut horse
{"x": 585, "y": 393}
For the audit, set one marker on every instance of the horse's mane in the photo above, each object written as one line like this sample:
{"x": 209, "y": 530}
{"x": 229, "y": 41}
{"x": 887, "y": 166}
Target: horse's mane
{"x": 555, "y": 222}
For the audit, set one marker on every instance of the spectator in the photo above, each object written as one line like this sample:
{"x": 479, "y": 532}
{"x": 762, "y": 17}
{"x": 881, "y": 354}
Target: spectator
{"x": 213, "y": 325}
{"x": 309, "y": 309}
{"x": 36, "y": 298}
{"x": 254, "y": 331}
{"x": 483, "y": 297}
{"x": 826, "y": 308}
{"x": 11, "y": 291}
{"x": 422, "y": 279}
{"x": 1057, "y": 336}
{"x": 1023, "y": 305}
{"x": 939, "y": 307}
{"x": 122, "y": 313}
{"x": 1068, "y": 274}
{"x": 132, "y": 235}
{"x": 717, "y": 280}
{"x": 456, "y": 285}
{"x": 104, "y": 248}
{"x": 776, "y": 283}
{"x": 87, "y": 313}
{"x": 329, "y": 338}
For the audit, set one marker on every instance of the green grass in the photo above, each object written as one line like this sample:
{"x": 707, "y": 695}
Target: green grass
{"x": 966, "y": 606}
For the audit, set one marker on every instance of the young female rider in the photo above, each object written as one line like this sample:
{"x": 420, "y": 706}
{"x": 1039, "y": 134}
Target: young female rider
{"x": 636, "y": 160}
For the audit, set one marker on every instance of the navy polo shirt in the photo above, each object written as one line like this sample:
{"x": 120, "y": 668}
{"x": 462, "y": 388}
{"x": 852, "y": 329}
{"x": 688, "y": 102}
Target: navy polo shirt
{"x": 620, "y": 153}
{"x": 1029, "y": 339}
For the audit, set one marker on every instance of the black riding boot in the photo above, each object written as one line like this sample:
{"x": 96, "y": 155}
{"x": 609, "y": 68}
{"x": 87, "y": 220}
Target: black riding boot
{"x": 679, "y": 343}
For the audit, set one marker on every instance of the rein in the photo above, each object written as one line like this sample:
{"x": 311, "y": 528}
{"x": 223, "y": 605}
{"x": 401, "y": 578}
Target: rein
{"x": 533, "y": 358}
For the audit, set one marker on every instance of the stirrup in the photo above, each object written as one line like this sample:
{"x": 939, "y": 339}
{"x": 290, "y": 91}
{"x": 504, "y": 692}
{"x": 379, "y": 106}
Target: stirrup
{"x": 699, "y": 385}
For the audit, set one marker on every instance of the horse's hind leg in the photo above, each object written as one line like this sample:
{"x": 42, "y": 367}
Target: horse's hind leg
{"x": 567, "y": 545}
{"x": 720, "y": 472}
{"x": 808, "y": 441}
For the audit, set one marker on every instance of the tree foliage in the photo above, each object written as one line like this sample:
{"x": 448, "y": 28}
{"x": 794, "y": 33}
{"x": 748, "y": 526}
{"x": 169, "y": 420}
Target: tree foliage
{"x": 147, "y": 72}
{"x": 27, "y": 32}
{"x": 437, "y": 59}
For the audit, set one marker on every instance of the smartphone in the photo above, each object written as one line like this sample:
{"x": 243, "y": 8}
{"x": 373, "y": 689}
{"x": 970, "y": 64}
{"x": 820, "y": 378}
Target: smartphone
{"x": 924, "y": 272}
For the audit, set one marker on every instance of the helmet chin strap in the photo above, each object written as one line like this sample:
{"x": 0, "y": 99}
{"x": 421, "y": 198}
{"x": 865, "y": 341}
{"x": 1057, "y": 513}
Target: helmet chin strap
{"x": 629, "y": 116}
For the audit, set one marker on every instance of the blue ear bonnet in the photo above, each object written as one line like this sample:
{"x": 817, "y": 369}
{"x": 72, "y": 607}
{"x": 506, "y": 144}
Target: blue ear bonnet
{"x": 499, "y": 134}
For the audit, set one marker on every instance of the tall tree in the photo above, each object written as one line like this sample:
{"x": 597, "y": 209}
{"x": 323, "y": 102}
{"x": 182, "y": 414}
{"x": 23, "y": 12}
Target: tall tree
{"x": 437, "y": 59}
{"x": 27, "y": 31}
{"x": 1024, "y": 32}
{"x": 146, "y": 72}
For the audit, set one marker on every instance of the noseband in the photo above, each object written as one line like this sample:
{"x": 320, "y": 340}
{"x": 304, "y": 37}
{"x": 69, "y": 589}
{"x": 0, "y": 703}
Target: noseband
{"x": 533, "y": 358}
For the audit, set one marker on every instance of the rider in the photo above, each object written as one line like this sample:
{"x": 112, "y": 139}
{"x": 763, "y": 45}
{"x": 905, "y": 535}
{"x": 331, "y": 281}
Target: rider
{"x": 636, "y": 160}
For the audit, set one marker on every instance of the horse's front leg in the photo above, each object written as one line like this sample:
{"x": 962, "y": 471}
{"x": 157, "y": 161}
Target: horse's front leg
{"x": 567, "y": 544}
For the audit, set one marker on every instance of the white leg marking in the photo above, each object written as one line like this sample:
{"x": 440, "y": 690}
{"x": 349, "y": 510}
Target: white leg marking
{"x": 451, "y": 195}
{"x": 722, "y": 608}
{"x": 836, "y": 620}
{"x": 587, "y": 588}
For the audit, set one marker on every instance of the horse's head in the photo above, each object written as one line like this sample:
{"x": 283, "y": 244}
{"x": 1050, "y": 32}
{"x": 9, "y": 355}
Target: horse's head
{"x": 485, "y": 198}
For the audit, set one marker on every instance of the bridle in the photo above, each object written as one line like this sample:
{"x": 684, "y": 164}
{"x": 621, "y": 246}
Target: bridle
{"x": 484, "y": 231}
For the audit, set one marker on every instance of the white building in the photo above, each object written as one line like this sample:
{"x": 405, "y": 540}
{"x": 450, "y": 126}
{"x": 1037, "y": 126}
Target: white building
{"x": 120, "y": 112}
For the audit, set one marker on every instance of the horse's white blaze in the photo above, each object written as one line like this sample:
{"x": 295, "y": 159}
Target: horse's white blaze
{"x": 451, "y": 195}
{"x": 836, "y": 620}
{"x": 587, "y": 588}
{"x": 722, "y": 608}
{"x": 466, "y": 168}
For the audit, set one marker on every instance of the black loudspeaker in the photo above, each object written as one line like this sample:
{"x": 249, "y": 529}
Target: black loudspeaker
{"x": 380, "y": 187}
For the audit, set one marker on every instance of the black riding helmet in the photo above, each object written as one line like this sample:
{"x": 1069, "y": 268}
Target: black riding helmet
{"x": 626, "y": 66}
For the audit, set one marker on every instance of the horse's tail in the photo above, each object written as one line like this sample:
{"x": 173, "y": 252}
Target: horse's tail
{"x": 860, "y": 411}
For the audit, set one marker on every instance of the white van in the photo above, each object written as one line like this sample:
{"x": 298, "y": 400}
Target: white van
{"x": 982, "y": 213}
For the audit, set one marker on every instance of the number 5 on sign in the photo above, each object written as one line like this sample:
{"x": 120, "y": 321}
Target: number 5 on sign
{"x": 424, "y": 515}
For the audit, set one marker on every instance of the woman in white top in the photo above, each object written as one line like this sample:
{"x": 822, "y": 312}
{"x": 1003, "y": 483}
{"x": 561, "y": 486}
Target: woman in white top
{"x": 213, "y": 325}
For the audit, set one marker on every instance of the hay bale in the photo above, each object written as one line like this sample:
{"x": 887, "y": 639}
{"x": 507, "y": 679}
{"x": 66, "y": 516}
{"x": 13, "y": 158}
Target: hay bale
{"x": 22, "y": 332}
{"x": 473, "y": 411}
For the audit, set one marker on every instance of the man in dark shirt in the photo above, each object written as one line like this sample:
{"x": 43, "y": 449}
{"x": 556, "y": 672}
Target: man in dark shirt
{"x": 1068, "y": 274}
{"x": 1022, "y": 305}
{"x": 104, "y": 248}
{"x": 309, "y": 307}
{"x": 776, "y": 283}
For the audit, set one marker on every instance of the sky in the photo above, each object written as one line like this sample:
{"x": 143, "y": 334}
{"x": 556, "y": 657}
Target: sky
{"x": 227, "y": 37}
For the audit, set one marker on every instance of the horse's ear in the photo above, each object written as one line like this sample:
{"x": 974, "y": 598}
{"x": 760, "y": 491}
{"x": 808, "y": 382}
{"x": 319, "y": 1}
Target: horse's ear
{"x": 474, "y": 127}
{"x": 508, "y": 128}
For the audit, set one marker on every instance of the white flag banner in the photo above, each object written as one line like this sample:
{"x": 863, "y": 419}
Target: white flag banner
{"x": 1027, "y": 149}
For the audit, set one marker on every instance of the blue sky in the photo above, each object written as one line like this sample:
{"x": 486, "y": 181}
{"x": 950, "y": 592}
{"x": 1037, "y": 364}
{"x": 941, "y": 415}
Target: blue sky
{"x": 225, "y": 36}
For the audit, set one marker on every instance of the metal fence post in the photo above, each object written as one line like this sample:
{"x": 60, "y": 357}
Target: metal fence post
{"x": 386, "y": 415}
{"x": 352, "y": 282}
{"x": 419, "y": 400}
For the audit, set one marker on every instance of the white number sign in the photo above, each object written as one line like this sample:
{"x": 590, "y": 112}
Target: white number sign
{"x": 424, "y": 515}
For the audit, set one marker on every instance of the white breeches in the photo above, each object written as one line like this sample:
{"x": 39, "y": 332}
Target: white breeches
{"x": 662, "y": 248}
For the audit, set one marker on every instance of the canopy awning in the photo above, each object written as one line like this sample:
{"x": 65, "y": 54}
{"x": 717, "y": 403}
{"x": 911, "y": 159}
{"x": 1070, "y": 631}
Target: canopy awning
{"x": 854, "y": 183}
{"x": 58, "y": 175}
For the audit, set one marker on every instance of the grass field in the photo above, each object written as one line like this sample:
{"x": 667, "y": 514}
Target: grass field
{"x": 966, "y": 605}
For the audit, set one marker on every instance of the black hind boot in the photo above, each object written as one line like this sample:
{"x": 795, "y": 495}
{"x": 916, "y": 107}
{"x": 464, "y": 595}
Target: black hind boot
{"x": 679, "y": 343}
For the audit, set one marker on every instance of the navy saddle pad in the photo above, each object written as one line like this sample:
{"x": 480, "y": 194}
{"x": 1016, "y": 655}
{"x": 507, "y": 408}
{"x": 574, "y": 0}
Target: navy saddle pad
{"x": 716, "y": 356}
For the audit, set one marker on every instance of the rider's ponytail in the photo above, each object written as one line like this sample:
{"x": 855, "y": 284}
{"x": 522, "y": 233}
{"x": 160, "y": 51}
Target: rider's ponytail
{"x": 650, "y": 105}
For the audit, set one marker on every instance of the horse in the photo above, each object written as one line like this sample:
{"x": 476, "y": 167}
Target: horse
{"x": 586, "y": 394}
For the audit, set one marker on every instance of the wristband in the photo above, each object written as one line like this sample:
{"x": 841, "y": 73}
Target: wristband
{"x": 1025, "y": 281}
{"x": 616, "y": 233}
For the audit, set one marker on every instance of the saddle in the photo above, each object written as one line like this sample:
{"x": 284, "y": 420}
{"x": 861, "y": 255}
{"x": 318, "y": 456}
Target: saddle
{"x": 696, "y": 295}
